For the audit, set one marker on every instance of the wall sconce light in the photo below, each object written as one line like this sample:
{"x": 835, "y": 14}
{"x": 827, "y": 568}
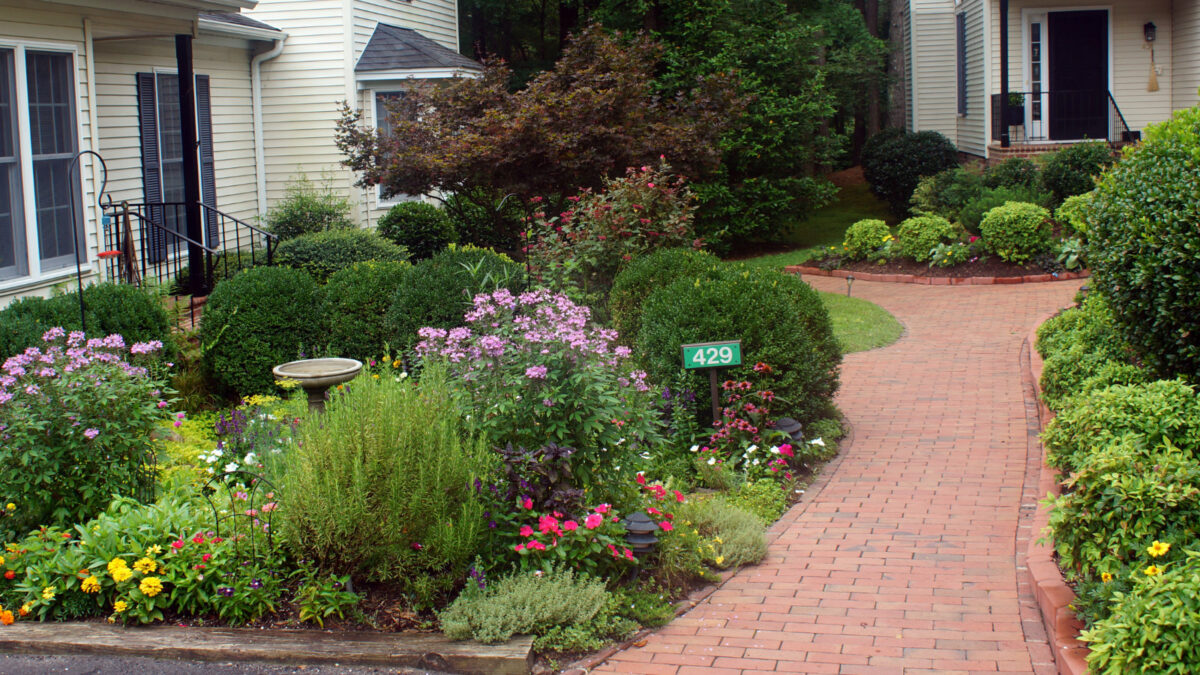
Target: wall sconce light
{"x": 1150, "y": 31}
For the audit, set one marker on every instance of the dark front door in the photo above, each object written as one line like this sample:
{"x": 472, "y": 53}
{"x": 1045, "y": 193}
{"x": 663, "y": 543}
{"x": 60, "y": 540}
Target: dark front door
{"x": 1078, "y": 64}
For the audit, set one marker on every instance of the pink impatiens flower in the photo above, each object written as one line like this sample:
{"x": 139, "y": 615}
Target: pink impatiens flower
{"x": 593, "y": 521}
{"x": 570, "y": 526}
{"x": 666, "y": 526}
{"x": 527, "y": 503}
{"x": 526, "y": 531}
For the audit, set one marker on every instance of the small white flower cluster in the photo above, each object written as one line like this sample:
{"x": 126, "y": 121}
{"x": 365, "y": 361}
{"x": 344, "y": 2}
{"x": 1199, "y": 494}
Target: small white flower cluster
{"x": 214, "y": 457}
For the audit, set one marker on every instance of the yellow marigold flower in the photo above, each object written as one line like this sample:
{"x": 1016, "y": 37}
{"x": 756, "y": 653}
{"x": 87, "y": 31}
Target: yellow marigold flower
{"x": 145, "y": 565}
{"x": 121, "y": 574}
{"x": 116, "y": 564}
{"x": 90, "y": 585}
{"x": 48, "y": 593}
{"x": 24, "y": 611}
{"x": 1158, "y": 548}
{"x": 154, "y": 550}
{"x": 396, "y": 363}
{"x": 1105, "y": 577}
{"x": 120, "y": 606}
{"x": 150, "y": 586}
{"x": 1153, "y": 571}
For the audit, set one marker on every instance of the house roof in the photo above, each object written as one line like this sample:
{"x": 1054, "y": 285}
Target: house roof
{"x": 392, "y": 48}
{"x": 235, "y": 19}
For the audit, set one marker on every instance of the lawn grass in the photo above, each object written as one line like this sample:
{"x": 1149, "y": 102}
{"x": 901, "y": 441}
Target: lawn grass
{"x": 859, "y": 325}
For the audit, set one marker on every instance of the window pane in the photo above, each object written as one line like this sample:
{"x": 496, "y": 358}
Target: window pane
{"x": 170, "y": 145}
{"x": 12, "y": 225}
{"x": 53, "y": 144}
{"x": 383, "y": 117}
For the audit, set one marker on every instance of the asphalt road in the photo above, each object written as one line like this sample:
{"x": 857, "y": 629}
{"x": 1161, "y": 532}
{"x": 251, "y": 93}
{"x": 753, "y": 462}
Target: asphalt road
{"x": 22, "y": 664}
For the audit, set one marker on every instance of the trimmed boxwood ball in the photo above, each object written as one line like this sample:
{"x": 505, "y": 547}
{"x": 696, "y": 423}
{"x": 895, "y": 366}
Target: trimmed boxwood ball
{"x": 865, "y": 237}
{"x": 779, "y": 319}
{"x": 917, "y": 237}
{"x": 642, "y": 276}
{"x": 422, "y": 228}
{"x": 438, "y": 291}
{"x": 1144, "y": 245}
{"x": 972, "y": 212}
{"x": 322, "y": 253}
{"x": 255, "y": 321}
{"x": 1017, "y": 231}
{"x": 353, "y": 308}
{"x": 894, "y": 164}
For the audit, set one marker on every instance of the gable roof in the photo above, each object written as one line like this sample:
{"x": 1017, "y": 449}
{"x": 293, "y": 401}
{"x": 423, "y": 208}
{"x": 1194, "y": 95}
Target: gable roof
{"x": 396, "y": 48}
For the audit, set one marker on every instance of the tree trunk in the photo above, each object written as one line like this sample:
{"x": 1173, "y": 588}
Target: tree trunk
{"x": 897, "y": 72}
{"x": 568, "y": 20}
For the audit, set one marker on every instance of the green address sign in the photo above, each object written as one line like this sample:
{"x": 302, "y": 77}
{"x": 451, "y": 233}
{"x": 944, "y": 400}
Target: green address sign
{"x": 712, "y": 354}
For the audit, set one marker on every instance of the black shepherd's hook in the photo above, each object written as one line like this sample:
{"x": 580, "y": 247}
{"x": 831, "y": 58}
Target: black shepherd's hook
{"x": 75, "y": 220}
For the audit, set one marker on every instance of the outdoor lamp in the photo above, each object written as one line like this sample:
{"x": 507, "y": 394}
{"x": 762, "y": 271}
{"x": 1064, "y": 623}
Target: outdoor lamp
{"x": 849, "y": 283}
{"x": 1150, "y": 31}
{"x": 790, "y": 427}
{"x": 639, "y": 532}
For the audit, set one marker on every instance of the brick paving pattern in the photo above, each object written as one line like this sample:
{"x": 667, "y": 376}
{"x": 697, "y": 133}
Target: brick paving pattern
{"x": 903, "y": 556}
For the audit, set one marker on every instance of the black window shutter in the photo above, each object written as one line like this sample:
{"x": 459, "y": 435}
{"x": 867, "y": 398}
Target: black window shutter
{"x": 154, "y": 239}
{"x": 961, "y": 21}
{"x": 208, "y": 178}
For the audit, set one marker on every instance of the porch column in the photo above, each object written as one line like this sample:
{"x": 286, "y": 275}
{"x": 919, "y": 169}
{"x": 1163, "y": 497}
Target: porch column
{"x": 1005, "y": 141}
{"x": 197, "y": 281}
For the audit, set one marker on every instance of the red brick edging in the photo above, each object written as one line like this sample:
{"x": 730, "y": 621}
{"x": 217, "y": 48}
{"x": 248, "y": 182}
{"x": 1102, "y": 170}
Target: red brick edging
{"x": 936, "y": 281}
{"x": 1054, "y": 596}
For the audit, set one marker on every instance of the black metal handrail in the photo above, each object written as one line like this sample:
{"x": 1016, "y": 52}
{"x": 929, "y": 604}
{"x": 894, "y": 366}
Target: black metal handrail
{"x": 212, "y": 216}
{"x": 1058, "y": 115}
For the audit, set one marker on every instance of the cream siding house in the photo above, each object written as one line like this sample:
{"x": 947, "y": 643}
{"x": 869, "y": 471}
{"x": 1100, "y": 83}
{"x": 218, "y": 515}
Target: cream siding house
{"x": 303, "y": 87}
{"x": 1076, "y": 69}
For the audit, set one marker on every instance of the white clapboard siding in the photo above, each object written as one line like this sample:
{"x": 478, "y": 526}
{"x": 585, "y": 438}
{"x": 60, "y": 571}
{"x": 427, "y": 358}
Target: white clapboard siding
{"x": 934, "y": 78}
{"x": 302, "y": 90}
{"x": 1185, "y": 55}
{"x": 972, "y": 127}
{"x": 435, "y": 19}
{"x": 1130, "y": 57}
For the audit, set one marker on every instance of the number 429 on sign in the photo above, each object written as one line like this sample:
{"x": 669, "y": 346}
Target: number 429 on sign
{"x": 712, "y": 354}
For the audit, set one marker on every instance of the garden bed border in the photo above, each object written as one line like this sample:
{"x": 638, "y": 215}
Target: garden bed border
{"x": 935, "y": 281}
{"x": 1054, "y": 596}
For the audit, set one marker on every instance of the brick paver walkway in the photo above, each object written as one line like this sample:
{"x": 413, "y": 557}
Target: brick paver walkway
{"x": 902, "y": 557}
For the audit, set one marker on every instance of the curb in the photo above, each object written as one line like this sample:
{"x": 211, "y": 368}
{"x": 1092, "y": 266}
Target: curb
{"x": 936, "y": 281}
{"x": 1054, "y": 596}
{"x": 301, "y": 647}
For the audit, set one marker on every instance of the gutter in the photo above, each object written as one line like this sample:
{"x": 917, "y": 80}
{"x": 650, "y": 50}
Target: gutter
{"x": 256, "y": 107}
{"x": 236, "y": 30}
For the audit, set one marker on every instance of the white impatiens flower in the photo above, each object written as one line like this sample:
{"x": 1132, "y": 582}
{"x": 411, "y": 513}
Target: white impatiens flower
{"x": 712, "y": 460}
{"x": 250, "y": 459}
{"x": 774, "y": 449}
{"x": 751, "y": 449}
{"x": 232, "y": 466}
{"x": 817, "y": 441}
{"x": 755, "y": 461}
{"x": 695, "y": 448}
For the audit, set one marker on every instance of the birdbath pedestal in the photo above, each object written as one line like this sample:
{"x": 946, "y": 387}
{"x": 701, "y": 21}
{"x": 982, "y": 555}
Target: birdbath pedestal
{"x": 317, "y": 375}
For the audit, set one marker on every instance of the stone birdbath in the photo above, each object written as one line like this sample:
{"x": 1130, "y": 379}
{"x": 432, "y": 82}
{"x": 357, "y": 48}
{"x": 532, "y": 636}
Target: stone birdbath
{"x": 317, "y": 375}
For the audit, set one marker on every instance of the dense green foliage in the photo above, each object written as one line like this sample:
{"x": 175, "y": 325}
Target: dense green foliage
{"x": 423, "y": 229}
{"x": 1083, "y": 353}
{"x": 1145, "y": 246}
{"x": 1017, "y": 231}
{"x": 974, "y": 209}
{"x": 945, "y": 193}
{"x": 523, "y": 605}
{"x": 307, "y": 209}
{"x": 324, "y": 253}
{"x": 779, "y": 319}
{"x": 353, "y": 306}
{"x": 136, "y": 314}
{"x": 865, "y": 237}
{"x": 255, "y": 321}
{"x": 438, "y": 291}
{"x": 1073, "y": 170}
{"x": 1012, "y": 172}
{"x": 917, "y": 237}
{"x": 896, "y": 163}
{"x": 646, "y": 274}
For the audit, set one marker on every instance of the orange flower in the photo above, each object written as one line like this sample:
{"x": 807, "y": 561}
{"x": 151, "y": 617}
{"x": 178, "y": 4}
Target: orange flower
{"x": 6, "y": 618}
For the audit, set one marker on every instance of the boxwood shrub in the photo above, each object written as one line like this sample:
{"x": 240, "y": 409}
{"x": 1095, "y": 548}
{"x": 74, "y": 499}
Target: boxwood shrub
{"x": 1012, "y": 172}
{"x": 779, "y": 319}
{"x": 944, "y": 194}
{"x": 422, "y": 228}
{"x": 641, "y": 277}
{"x": 1144, "y": 245}
{"x": 864, "y": 237}
{"x": 323, "y": 253}
{"x": 918, "y": 236}
{"x": 972, "y": 212}
{"x": 353, "y": 308}
{"x": 1017, "y": 231}
{"x": 1073, "y": 170}
{"x": 134, "y": 313}
{"x": 438, "y": 291}
{"x": 255, "y": 321}
{"x": 895, "y": 163}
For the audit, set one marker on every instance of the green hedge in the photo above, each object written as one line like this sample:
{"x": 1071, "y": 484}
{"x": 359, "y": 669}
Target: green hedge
{"x": 779, "y": 319}
{"x": 917, "y": 237}
{"x": 353, "y": 308}
{"x": 645, "y": 274}
{"x": 324, "y": 253}
{"x": 135, "y": 314}
{"x": 1072, "y": 170}
{"x": 255, "y": 321}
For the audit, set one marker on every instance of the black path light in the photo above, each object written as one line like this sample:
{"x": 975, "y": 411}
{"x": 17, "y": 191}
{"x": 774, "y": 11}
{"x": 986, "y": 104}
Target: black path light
{"x": 849, "y": 283}
{"x": 790, "y": 427}
{"x": 639, "y": 532}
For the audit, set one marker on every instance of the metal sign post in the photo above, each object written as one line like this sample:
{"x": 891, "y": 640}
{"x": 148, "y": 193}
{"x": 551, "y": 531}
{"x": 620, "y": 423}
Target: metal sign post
{"x": 712, "y": 356}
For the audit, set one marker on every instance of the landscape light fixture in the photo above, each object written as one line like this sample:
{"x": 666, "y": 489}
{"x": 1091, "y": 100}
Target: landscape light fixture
{"x": 639, "y": 532}
{"x": 849, "y": 283}
{"x": 790, "y": 427}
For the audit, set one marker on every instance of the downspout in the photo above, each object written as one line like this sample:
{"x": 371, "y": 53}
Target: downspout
{"x": 1005, "y": 141}
{"x": 94, "y": 132}
{"x": 260, "y": 169}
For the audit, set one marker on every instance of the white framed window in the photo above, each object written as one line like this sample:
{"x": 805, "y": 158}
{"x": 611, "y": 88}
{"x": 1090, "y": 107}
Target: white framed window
{"x": 383, "y": 123}
{"x": 40, "y": 228}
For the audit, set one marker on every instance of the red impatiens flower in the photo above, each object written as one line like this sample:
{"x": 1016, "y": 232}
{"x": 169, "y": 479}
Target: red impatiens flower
{"x": 666, "y": 526}
{"x": 526, "y": 531}
{"x": 177, "y": 544}
{"x": 786, "y": 449}
{"x": 537, "y": 545}
{"x": 593, "y": 521}
{"x": 527, "y": 503}
{"x": 570, "y": 526}
{"x": 603, "y": 508}
{"x": 679, "y": 496}
{"x": 641, "y": 478}
{"x": 198, "y": 539}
